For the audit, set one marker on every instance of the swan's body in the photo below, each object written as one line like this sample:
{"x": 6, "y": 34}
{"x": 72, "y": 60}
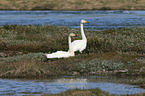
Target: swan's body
{"x": 63, "y": 54}
{"x": 80, "y": 45}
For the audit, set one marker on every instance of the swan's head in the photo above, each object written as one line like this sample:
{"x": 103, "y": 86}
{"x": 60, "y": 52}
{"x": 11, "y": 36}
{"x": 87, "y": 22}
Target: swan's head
{"x": 72, "y": 34}
{"x": 83, "y": 21}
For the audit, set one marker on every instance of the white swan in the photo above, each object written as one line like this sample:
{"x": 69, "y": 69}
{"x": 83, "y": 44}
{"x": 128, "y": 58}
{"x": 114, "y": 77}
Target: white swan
{"x": 80, "y": 45}
{"x": 63, "y": 54}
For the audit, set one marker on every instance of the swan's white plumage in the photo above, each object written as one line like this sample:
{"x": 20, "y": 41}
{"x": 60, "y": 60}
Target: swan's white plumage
{"x": 63, "y": 54}
{"x": 80, "y": 45}
{"x": 59, "y": 54}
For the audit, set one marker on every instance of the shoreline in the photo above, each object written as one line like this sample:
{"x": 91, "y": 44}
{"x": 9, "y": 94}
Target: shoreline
{"x": 76, "y": 10}
{"x": 72, "y": 10}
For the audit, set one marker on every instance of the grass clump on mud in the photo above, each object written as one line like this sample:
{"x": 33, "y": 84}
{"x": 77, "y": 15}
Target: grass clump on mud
{"x": 99, "y": 66}
{"x": 32, "y": 39}
{"x": 82, "y": 92}
{"x": 89, "y": 92}
{"x": 22, "y": 50}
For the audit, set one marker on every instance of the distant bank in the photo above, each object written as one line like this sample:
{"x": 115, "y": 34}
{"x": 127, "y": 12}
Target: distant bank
{"x": 72, "y": 4}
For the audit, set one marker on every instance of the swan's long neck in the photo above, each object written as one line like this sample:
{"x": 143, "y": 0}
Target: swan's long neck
{"x": 70, "y": 47}
{"x": 82, "y": 32}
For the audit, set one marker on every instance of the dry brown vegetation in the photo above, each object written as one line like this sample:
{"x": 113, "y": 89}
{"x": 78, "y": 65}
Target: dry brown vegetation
{"x": 72, "y": 4}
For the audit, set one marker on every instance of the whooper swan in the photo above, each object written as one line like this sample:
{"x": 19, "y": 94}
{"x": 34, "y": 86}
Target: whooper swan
{"x": 63, "y": 54}
{"x": 80, "y": 45}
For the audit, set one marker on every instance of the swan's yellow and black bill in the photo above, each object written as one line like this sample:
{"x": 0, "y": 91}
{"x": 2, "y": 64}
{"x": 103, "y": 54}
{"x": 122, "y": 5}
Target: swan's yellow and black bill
{"x": 86, "y": 22}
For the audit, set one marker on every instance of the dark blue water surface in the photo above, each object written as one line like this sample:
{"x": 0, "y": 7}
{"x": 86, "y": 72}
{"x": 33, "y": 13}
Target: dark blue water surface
{"x": 97, "y": 19}
{"x": 17, "y": 87}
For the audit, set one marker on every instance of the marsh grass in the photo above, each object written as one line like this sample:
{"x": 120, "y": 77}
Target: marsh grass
{"x": 35, "y": 65}
{"x": 22, "y": 50}
{"x": 22, "y": 66}
{"x": 82, "y": 92}
{"x": 138, "y": 81}
{"x": 72, "y": 5}
{"x": 97, "y": 66}
{"x": 89, "y": 92}
{"x": 29, "y": 38}
{"x": 33, "y": 39}
{"x": 119, "y": 40}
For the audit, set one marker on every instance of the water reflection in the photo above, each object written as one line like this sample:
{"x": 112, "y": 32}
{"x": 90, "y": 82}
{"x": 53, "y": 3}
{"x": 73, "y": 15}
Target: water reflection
{"x": 53, "y": 86}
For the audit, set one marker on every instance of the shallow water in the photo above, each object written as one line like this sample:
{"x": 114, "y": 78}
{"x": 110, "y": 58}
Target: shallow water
{"x": 97, "y": 19}
{"x": 21, "y": 87}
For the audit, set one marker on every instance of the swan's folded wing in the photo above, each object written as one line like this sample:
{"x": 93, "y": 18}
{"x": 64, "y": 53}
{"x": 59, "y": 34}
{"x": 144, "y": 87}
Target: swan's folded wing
{"x": 58, "y": 54}
{"x": 78, "y": 45}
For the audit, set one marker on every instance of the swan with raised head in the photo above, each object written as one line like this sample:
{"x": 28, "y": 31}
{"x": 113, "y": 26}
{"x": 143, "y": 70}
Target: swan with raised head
{"x": 63, "y": 54}
{"x": 80, "y": 45}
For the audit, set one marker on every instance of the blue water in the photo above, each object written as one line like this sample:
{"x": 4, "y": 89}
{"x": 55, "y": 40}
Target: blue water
{"x": 17, "y": 87}
{"x": 97, "y": 19}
